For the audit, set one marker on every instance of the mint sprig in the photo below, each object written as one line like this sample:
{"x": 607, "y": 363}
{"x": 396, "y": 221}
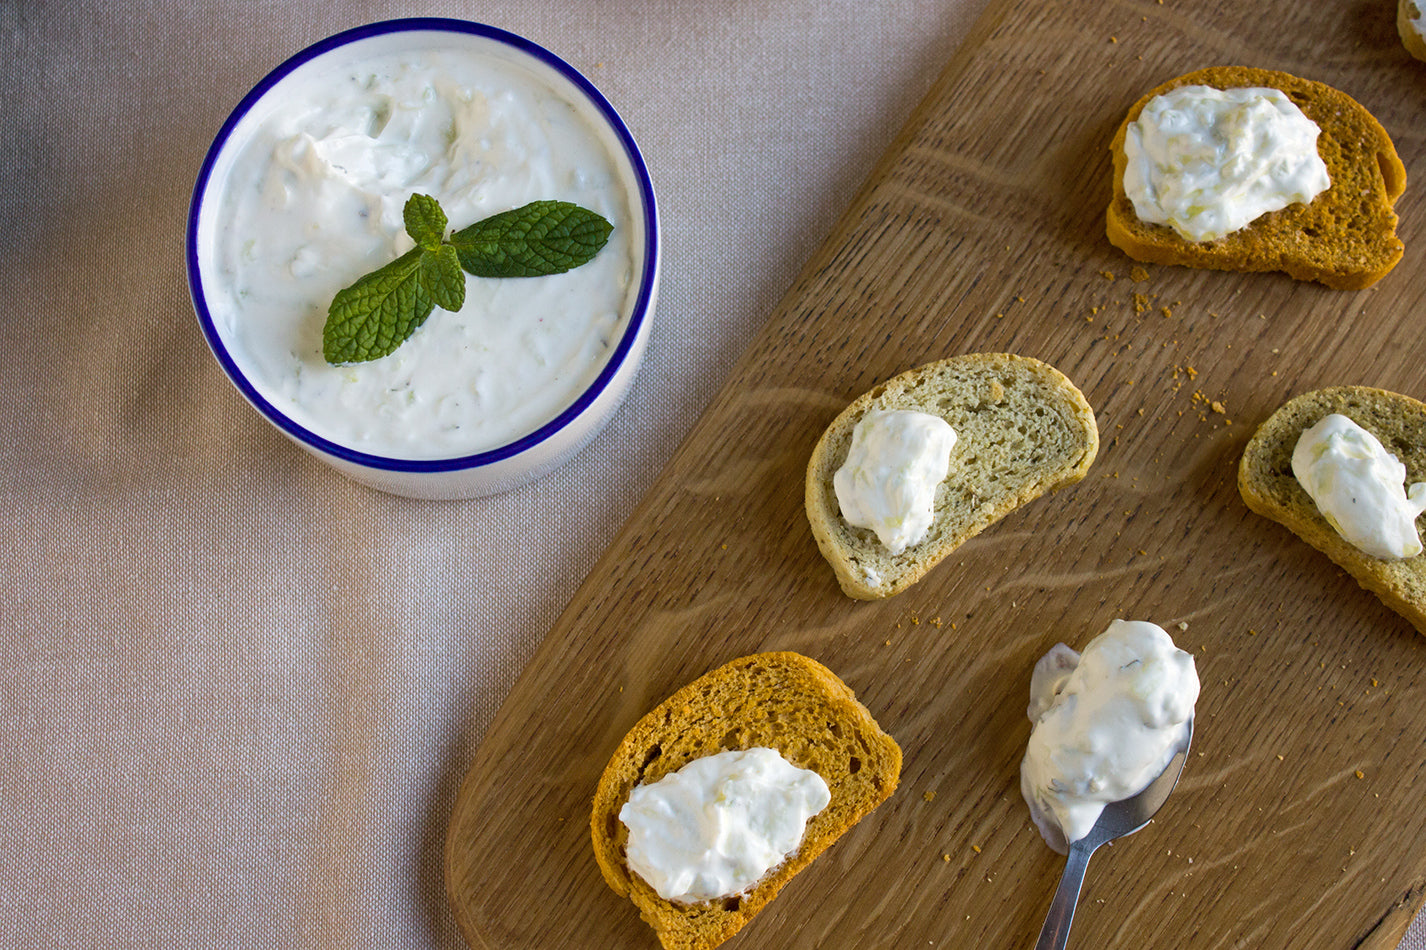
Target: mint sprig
{"x": 375, "y": 315}
{"x": 425, "y": 221}
{"x": 544, "y": 237}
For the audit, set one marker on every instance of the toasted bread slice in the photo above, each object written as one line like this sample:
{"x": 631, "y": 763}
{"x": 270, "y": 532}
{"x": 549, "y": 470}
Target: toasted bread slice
{"x": 1268, "y": 486}
{"x": 1022, "y": 429}
{"x": 782, "y": 701}
{"x": 1410, "y": 24}
{"x": 1345, "y": 238}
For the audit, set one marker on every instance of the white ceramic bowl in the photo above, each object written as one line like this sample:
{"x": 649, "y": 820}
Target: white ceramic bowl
{"x": 557, "y": 439}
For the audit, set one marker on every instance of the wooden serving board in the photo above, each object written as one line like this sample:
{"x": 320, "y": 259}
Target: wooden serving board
{"x": 1299, "y": 820}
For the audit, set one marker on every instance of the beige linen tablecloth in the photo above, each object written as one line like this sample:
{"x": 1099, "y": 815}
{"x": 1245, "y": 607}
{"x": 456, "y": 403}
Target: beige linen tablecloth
{"x": 237, "y": 691}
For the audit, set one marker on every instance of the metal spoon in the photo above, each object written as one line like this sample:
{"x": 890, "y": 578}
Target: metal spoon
{"x": 1118, "y": 819}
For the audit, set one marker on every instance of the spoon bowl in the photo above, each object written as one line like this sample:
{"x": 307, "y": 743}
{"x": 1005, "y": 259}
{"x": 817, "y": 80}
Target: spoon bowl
{"x": 1118, "y": 819}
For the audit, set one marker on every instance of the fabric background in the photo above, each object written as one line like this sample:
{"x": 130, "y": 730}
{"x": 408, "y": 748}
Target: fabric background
{"x": 237, "y": 691}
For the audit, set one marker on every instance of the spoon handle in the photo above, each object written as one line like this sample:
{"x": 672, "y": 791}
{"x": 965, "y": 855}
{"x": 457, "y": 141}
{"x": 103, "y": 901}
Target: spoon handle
{"x": 1055, "y": 934}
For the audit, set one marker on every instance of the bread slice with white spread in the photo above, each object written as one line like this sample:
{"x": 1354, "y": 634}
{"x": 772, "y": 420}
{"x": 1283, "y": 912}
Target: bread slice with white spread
{"x": 1411, "y": 25}
{"x": 1022, "y": 429}
{"x": 1269, "y": 487}
{"x": 781, "y": 701}
{"x": 1344, "y": 238}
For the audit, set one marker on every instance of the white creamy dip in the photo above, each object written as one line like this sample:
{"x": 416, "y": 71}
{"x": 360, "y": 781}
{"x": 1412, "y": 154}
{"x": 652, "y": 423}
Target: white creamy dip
{"x": 1107, "y": 723}
{"x": 1359, "y": 487}
{"x": 888, "y": 482}
{"x": 1207, "y": 162}
{"x": 313, "y": 200}
{"x": 718, "y": 825}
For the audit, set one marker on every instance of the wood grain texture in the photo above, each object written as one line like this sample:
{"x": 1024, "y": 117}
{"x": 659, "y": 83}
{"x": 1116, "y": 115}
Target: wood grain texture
{"x": 1298, "y": 820}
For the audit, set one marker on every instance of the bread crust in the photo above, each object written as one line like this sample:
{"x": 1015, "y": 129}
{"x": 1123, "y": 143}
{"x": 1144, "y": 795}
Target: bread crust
{"x": 1406, "y": 11}
{"x": 1023, "y": 429}
{"x": 1269, "y": 488}
{"x": 783, "y": 701}
{"x": 1344, "y": 238}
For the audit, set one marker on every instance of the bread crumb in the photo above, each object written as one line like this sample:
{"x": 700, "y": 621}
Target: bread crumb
{"x": 1183, "y": 624}
{"x": 975, "y": 848}
{"x": 928, "y": 797}
{"x": 1138, "y": 275}
{"x": 1360, "y": 774}
{"x": 1107, "y": 275}
{"x": 947, "y": 858}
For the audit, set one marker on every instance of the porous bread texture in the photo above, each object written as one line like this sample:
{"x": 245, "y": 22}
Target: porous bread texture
{"x": 1344, "y": 238}
{"x": 1022, "y": 429}
{"x": 784, "y": 701}
{"x": 1268, "y": 486}
{"x": 1407, "y": 11}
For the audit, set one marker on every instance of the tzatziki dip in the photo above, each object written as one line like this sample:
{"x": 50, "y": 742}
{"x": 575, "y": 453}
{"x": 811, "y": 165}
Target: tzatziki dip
{"x": 312, "y": 200}
{"x": 1107, "y": 722}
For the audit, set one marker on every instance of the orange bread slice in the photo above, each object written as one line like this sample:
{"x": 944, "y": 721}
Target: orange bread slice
{"x": 1409, "y": 13}
{"x": 1268, "y": 487}
{"x": 1344, "y": 238}
{"x": 782, "y": 701}
{"x": 1022, "y": 429}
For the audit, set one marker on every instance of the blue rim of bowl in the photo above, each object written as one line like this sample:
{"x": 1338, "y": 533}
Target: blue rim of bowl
{"x": 638, "y": 315}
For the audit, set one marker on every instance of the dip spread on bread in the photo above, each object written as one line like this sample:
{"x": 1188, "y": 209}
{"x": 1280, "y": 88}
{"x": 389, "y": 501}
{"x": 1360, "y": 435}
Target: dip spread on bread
{"x": 1207, "y": 162}
{"x": 1359, "y": 487}
{"x": 1411, "y": 25}
{"x": 1106, "y": 724}
{"x": 888, "y": 482}
{"x": 717, "y": 826}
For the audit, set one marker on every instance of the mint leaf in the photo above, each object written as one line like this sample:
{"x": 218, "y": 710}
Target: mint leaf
{"x": 375, "y": 315}
{"x": 442, "y": 279}
{"x": 425, "y": 221}
{"x": 543, "y": 237}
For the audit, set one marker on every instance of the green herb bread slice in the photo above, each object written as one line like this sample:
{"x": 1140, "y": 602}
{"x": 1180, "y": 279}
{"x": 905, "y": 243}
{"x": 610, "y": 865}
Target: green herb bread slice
{"x": 1268, "y": 486}
{"x": 1022, "y": 429}
{"x": 782, "y": 701}
{"x": 1344, "y": 238}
